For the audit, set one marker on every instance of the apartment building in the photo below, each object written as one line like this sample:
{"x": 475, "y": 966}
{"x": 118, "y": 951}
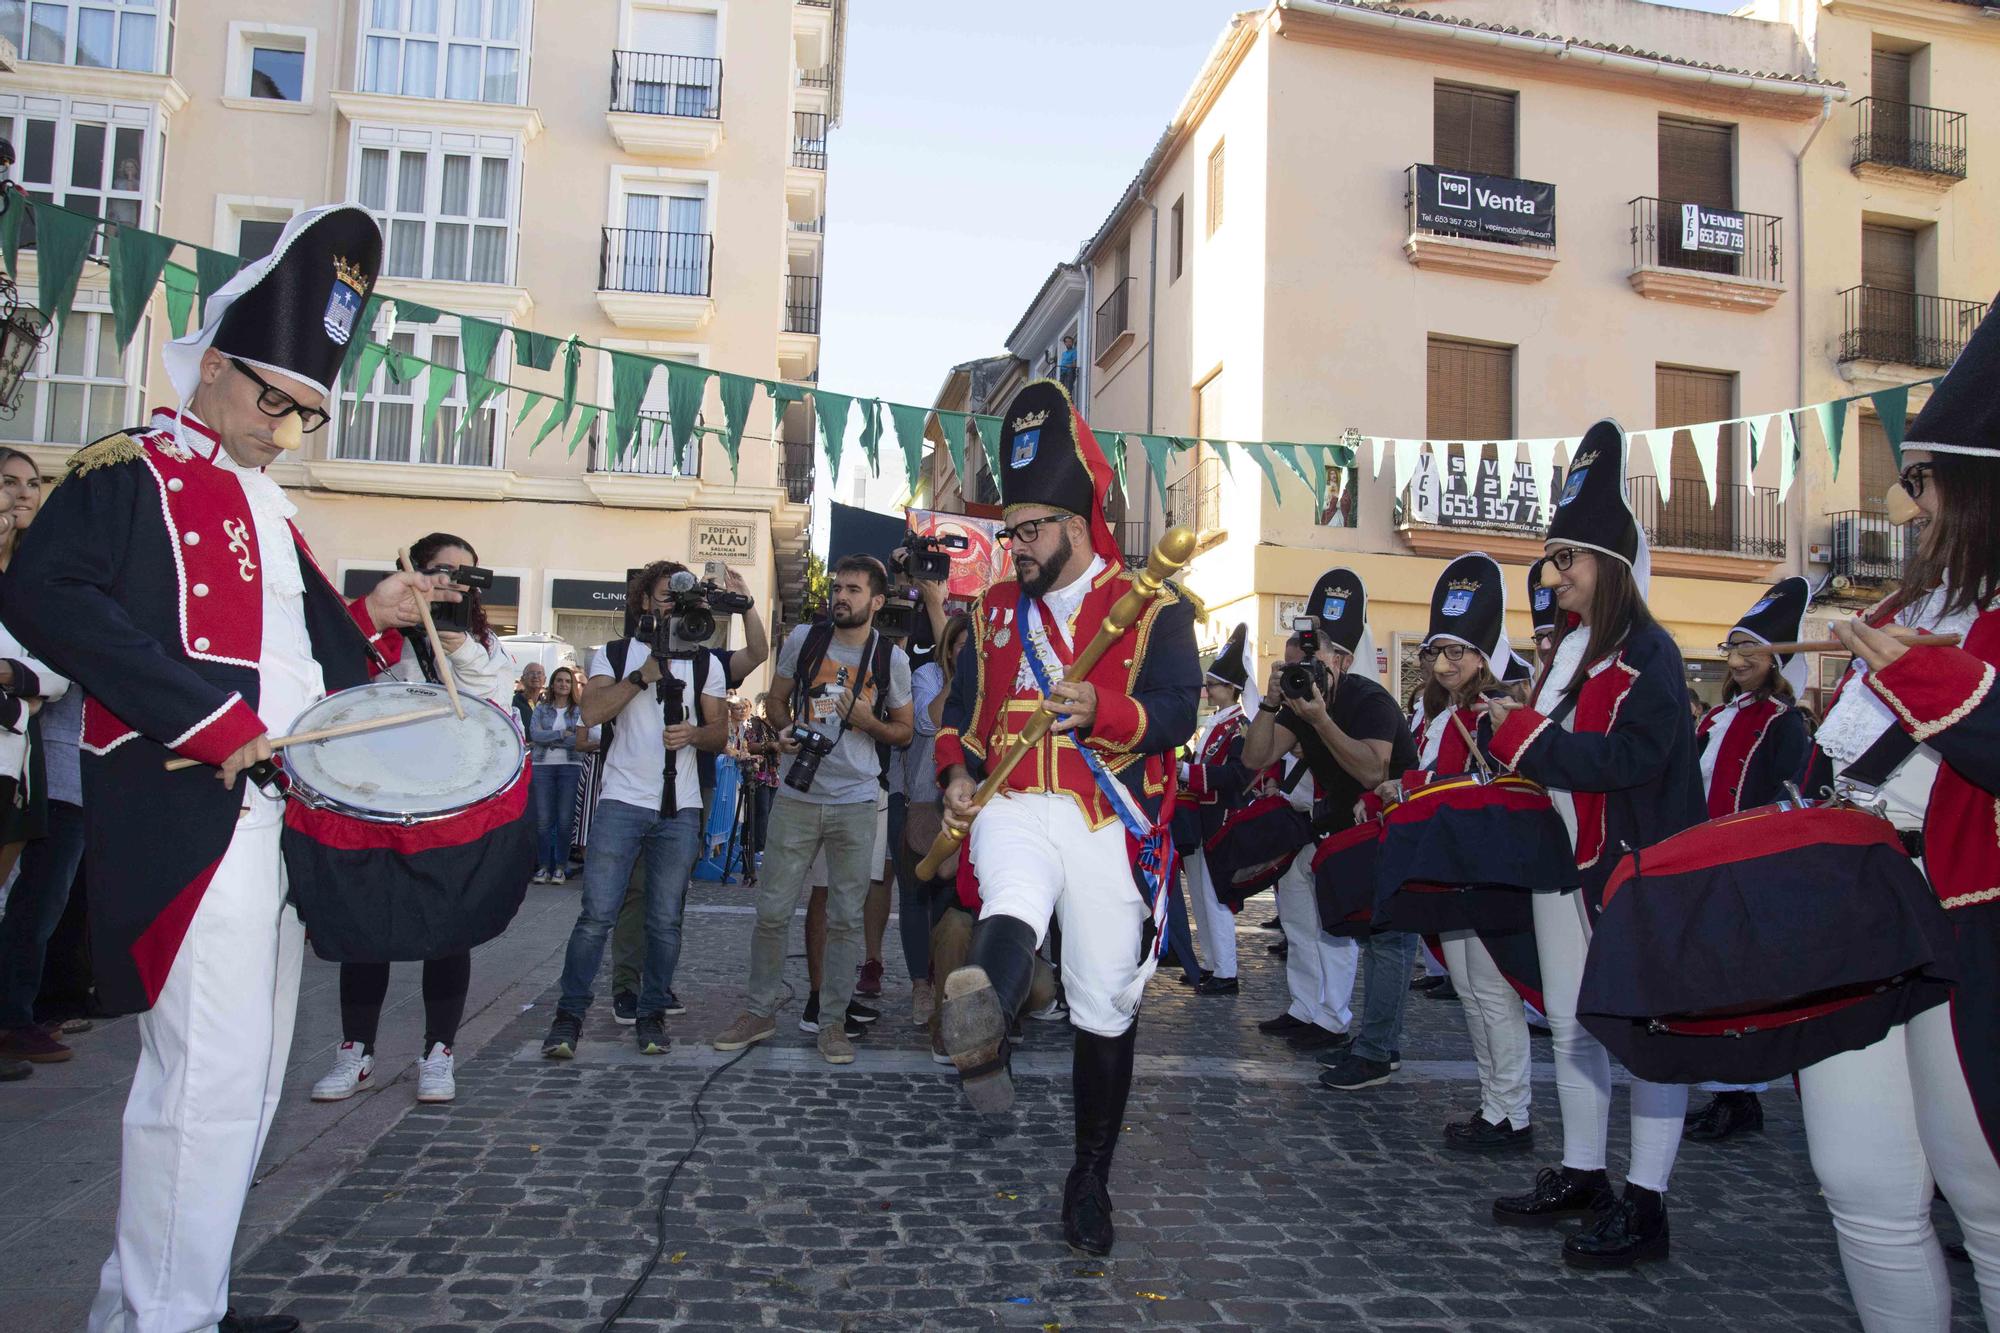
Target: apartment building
{"x": 648, "y": 174}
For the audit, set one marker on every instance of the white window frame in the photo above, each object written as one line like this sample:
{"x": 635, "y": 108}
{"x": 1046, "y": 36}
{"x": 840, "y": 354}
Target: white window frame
{"x": 243, "y": 37}
{"x": 232, "y": 210}
{"x": 443, "y": 40}
{"x": 437, "y": 144}
{"x": 38, "y": 386}
{"x": 66, "y": 114}
{"x": 635, "y": 463}
{"x": 423, "y": 338}
{"x": 630, "y": 180}
{"x": 160, "y": 11}
{"x": 719, "y": 9}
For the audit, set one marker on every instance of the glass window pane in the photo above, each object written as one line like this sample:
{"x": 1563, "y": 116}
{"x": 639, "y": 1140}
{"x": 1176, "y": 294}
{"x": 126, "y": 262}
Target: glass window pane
{"x": 94, "y": 44}
{"x": 278, "y": 75}
{"x": 86, "y": 159}
{"x": 40, "y": 163}
{"x": 136, "y": 40}
{"x": 489, "y": 254}
{"x": 462, "y": 74}
{"x": 505, "y": 20}
{"x": 467, "y": 22}
{"x": 378, "y": 73}
{"x": 107, "y": 411}
{"x": 394, "y": 424}
{"x": 13, "y": 15}
{"x": 406, "y": 249}
{"x": 448, "y": 259}
{"x": 382, "y": 14}
{"x": 493, "y": 187}
{"x": 502, "y": 68}
{"x": 128, "y": 159}
{"x": 21, "y": 426}
{"x": 48, "y": 39}
{"x": 375, "y": 178}
{"x": 121, "y": 210}
{"x": 410, "y": 183}
{"x": 444, "y": 351}
{"x": 454, "y": 199}
{"x": 109, "y": 363}
{"x": 70, "y": 346}
{"x": 420, "y": 69}
{"x": 66, "y": 416}
{"x": 255, "y": 237}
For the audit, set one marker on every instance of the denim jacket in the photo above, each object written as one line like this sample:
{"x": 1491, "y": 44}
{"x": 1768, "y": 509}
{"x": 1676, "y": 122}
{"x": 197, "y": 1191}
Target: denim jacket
{"x": 549, "y": 730}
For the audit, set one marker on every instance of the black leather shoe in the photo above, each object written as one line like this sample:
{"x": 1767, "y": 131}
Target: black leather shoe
{"x": 1281, "y": 948}
{"x": 1557, "y": 1194}
{"x": 1086, "y": 1215}
{"x": 1283, "y": 1025}
{"x": 1195, "y": 983}
{"x": 981, "y": 1003}
{"x": 1101, "y": 1079}
{"x": 1629, "y": 1232}
{"x": 1729, "y": 1113}
{"x": 1481, "y": 1135}
{"x": 1429, "y": 983}
{"x": 1214, "y": 985}
{"x": 1312, "y": 1038}
{"x": 1444, "y": 990}
{"x": 233, "y": 1322}
{"x": 1274, "y": 923}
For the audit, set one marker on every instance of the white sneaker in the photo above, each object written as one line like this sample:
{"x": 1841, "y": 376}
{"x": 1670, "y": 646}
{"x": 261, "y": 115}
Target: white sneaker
{"x": 434, "y": 1080}
{"x": 350, "y": 1073}
{"x": 556, "y": 877}
{"x": 1055, "y": 1011}
{"x": 541, "y": 877}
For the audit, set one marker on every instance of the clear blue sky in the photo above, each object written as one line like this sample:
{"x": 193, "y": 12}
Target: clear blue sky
{"x": 979, "y": 145}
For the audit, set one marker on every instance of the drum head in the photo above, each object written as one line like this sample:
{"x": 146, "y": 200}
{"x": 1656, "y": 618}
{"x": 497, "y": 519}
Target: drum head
{"x": 419, "y": 770}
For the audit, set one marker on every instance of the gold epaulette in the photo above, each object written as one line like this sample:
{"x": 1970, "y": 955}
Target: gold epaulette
{"x": 107, "y": 452}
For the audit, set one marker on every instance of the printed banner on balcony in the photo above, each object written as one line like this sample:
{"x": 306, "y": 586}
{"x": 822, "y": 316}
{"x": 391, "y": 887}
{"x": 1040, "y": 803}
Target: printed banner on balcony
{"x": 1488, "y": 208}
{"x": 983, "y": 560}
{"x": 1449, "y": 502}
{"x": 1714, "y": 229}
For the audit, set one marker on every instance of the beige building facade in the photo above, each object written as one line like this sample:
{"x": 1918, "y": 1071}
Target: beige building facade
{"x": 648, "y": 174}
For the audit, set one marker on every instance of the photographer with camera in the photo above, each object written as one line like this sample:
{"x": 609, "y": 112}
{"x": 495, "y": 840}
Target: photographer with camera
{"x": 840, "y": 703}
{"x": 483, "y": 668}
{"x": 658, "y": 698}
{"x": 1351, "y": 735}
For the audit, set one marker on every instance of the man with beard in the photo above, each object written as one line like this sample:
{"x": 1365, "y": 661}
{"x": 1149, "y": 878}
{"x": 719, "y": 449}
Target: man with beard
{"x": 848, "y": 690}
{"x": 1079, "y": 834}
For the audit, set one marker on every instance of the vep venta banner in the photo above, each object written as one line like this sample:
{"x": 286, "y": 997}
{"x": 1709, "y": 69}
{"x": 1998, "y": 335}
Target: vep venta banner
{"x": 1490, "y": 208}
{"x": 1715, "y": 229}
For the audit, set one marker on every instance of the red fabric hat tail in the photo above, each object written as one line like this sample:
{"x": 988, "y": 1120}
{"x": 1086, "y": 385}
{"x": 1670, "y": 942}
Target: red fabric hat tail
{"x": 1102, "y": 539}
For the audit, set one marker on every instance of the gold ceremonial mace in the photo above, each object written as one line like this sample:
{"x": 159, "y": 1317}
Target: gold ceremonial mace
{"x": 1169, "y": 557}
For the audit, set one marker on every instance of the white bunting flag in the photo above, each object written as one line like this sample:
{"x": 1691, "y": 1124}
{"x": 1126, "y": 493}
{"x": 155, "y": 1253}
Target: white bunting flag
{"x": 1380, "y": 444}
{"x": 1406, "y": 452}
{"x": 1787, "y": 456}
{"x": 1506, "y": 454}
{"x": 1469, "y": 454}
{"x": 1542, "y": 463}
{"x": 1660, "y": 444}
{"x": 1706, "y": 436}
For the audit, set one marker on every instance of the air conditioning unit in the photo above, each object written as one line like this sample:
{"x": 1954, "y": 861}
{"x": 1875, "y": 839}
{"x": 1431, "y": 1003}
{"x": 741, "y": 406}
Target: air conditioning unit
{"x": 1819, "y": 553}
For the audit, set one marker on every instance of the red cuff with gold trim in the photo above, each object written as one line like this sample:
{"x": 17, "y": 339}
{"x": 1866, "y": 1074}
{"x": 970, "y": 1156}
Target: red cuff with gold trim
{"x": 1516, "y": 734}
{"x": 1930, "y": 689}
{"x": 1121, "y": 721}
{"x": 220, "y": 734}
{"x": 946, "y": 752}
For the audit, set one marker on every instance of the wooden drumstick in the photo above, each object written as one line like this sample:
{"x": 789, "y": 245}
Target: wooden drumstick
{"x": 1908, "y": 638}
{"x": 328, "y": 733}
{"x": 437, "y": 648}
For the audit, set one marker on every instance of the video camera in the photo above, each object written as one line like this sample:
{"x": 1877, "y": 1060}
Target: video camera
{"x": 900, "y": 610}
{"x": 690, "y": 617}
{"x": 457, "y": 616}
{"x": 924, "y": 556}
{"x": 920, "y": 559}
{"x": 1298, "y": 680}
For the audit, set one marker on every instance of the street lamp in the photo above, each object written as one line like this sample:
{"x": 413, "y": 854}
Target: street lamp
{"x": 22, "y": 327}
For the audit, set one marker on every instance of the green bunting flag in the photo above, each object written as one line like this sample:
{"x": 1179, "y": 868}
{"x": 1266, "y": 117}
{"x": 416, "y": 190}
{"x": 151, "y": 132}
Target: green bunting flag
{"x": 686, "y": 387}
{"x": 1262, "y": 457}
{"x": 735, "y": 392}
{"x": 1833, "y": 428}
{"x": 1892, "y": 408}
{"x": 530, "y": 400}
{"x": 572, "y": 358}
{"x": 908, "y": 423}
{"x": 363, "y": 334}
{"x": 404, "y": 367}
{"x": 832, "y": 410}
{"x": 213, "y": 269}
{"x": 952, "y": 424}
{"x": 537, "y": 351}
{"x": 1156, "y": 462}
{"x": 655, "y": 428}
{"x": 989, "y": 440}
{"x": 1114, "y": 450}
{"x": 367, "y": 364}
{"x": 871, "y": 434}
{"x": 437, "y": 388}
{"x": 1314, "y": 477}
{"x": 10, "y": 239}
{"x": 583, "y": 425}
{"x": 62, "y": 241}
{"x": 416, "y": 312}
{"x": 630, "y": 374}
{"x": 558, "y": 416}
{"x": 137, "y": 259}
{"x": 180, "y": 289}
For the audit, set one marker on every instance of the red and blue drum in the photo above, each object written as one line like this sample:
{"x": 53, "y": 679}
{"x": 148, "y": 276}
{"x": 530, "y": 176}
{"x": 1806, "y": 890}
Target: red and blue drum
{"x": 1344, "y": 880}
{"x": 1746, "y": 948}
{"x": 1253, "y": 848}
{"x": 1463, "y": 853}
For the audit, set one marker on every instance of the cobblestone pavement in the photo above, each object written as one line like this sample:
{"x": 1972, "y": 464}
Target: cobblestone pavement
{"x": 869, "y": 1198}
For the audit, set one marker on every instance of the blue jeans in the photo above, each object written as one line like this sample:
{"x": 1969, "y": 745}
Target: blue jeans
{"x": 620, "y": 834}
{"x": 1388, "y": 957}
{"x": 1180, "y": 938}
{"x": 48, "y": 867}
{"x": 553, "y": 790}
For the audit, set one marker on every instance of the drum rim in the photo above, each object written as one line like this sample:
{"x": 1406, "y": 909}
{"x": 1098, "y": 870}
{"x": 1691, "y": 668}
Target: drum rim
{"x": 312, "y": 796}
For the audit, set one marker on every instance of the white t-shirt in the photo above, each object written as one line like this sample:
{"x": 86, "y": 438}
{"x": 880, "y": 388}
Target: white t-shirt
{"x": 634, "y": 769}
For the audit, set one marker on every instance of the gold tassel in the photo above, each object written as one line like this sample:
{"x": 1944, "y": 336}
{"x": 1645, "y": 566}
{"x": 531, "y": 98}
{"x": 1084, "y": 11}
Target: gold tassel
{"x": 107, "y": 452}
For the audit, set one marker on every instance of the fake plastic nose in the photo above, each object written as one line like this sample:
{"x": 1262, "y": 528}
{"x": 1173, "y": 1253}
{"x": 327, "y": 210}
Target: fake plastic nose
{"x": 288, "y": 434}
{"x": 1551, "y": 576}
{"x": 1902, "y": 509}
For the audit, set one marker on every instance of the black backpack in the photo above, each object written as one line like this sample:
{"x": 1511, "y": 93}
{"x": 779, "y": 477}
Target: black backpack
{"x": 819, "y": 637}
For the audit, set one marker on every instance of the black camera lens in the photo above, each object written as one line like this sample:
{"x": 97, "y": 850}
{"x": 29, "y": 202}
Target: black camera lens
{"x": 1299, "y": 679}
{"x": 695, "y": 625}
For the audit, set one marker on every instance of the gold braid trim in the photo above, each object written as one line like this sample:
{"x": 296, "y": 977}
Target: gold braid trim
{"x": 110, "y": 451}
{"x": 1923, "y": 731}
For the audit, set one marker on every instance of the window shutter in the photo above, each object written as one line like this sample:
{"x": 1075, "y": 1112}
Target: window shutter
{"x": 1470, "y": 391}
{"x": 1697, "y": 163}
{"x": 1890, "y": 77}
{"x": 1878, "y": 464}
{"x": 1888, "y": 258}
{"x": 1215, "y": 189}
{"x": 1473, "y": 130}
{"x": 1687, "y": 518}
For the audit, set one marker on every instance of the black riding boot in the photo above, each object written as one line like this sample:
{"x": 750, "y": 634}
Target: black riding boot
{"x": 980, "y": 1001}
{"x": 1100, "y": 1079}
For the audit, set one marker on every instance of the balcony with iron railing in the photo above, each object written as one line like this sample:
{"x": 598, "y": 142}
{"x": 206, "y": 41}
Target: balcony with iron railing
{"x": 1112, "y": 329}
{"x": 1746, "y": 276}
{"x": 1135, "y": 542}
{"x": 653, "y": 83}
{"x": 656, "y": 279}
{"x": 644, "y": 457}
{"x": 1745, "y": 521}
{"x": 801, "y": 303}
{"x": 816, "y": 78}
{"x": 1905, "y": 329}
{"x": 1867, "y": 547}
{"x": 1195, "y": 501}
{"x": 809, "y": 140}
{"x": 1901, "y": 137}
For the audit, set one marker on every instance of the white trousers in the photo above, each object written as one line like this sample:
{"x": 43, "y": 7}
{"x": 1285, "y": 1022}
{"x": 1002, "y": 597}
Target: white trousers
{"x": 1883, "y": 1123}
{"x": 1498, "y": 1028}
{"x": 1037, "y": 858}
{"x": 1734, "y": 1087}
{"x": 1218, "y": 923}
{"x": 1319, "y": 970}
{"x": 212, "y": 1055}
{"x": 1583, "y": 1066}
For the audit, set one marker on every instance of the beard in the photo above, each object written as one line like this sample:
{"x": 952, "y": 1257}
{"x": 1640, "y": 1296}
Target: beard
{"x": 847, "y": 617}
{"x": 1043, "y": 579}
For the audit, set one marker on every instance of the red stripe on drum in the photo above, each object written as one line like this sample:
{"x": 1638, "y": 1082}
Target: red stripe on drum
{"x": 343, "y": 832}
{"x": 1753, "y": 835}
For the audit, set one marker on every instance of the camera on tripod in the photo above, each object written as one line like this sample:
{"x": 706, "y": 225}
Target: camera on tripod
{"x": 1298, "y": 680}
{"x": 813, "y": 747}
{"x": 690, "y": 616}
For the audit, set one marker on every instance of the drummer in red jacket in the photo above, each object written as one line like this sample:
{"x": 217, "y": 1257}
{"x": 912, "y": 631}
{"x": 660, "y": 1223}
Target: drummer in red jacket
{"x": 165, "y": 577}
{"x": 1752, "y": 744}
{"x": 1918, "y": 728}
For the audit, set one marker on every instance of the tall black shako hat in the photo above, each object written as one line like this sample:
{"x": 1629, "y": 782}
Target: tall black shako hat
{"x": 1519, "y": 669}
{"x": 1340, "y": 603}
{"x": 1232, "y": 665}
{"x": 1779, "y": 616}
{"x": 1963, "y": 415}
{"x": 1469, "y": 606}
{"x": 296, "y": 310}
{"x": 1541, "y": 601}
{"x": 1592, "y": 511}
{"x": 1049, "y": 457}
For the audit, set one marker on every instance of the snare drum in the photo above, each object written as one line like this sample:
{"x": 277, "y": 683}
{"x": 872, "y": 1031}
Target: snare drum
{"x": 1746, "y": 948}
{"x": 411, "y": 842}
{"x": 1254, "y": 847}
{"x": 1463, "y": 854}
{"x": 1344, "y": 880}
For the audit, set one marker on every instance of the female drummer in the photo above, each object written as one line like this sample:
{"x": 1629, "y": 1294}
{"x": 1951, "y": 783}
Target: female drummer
{"x": 480, "y": 664}
{"x": 1608, "y": 735}
{"x": 1923, "y": 1103}
{"x": 1467, "y": 635}
{"x": 1752, "y": 744}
